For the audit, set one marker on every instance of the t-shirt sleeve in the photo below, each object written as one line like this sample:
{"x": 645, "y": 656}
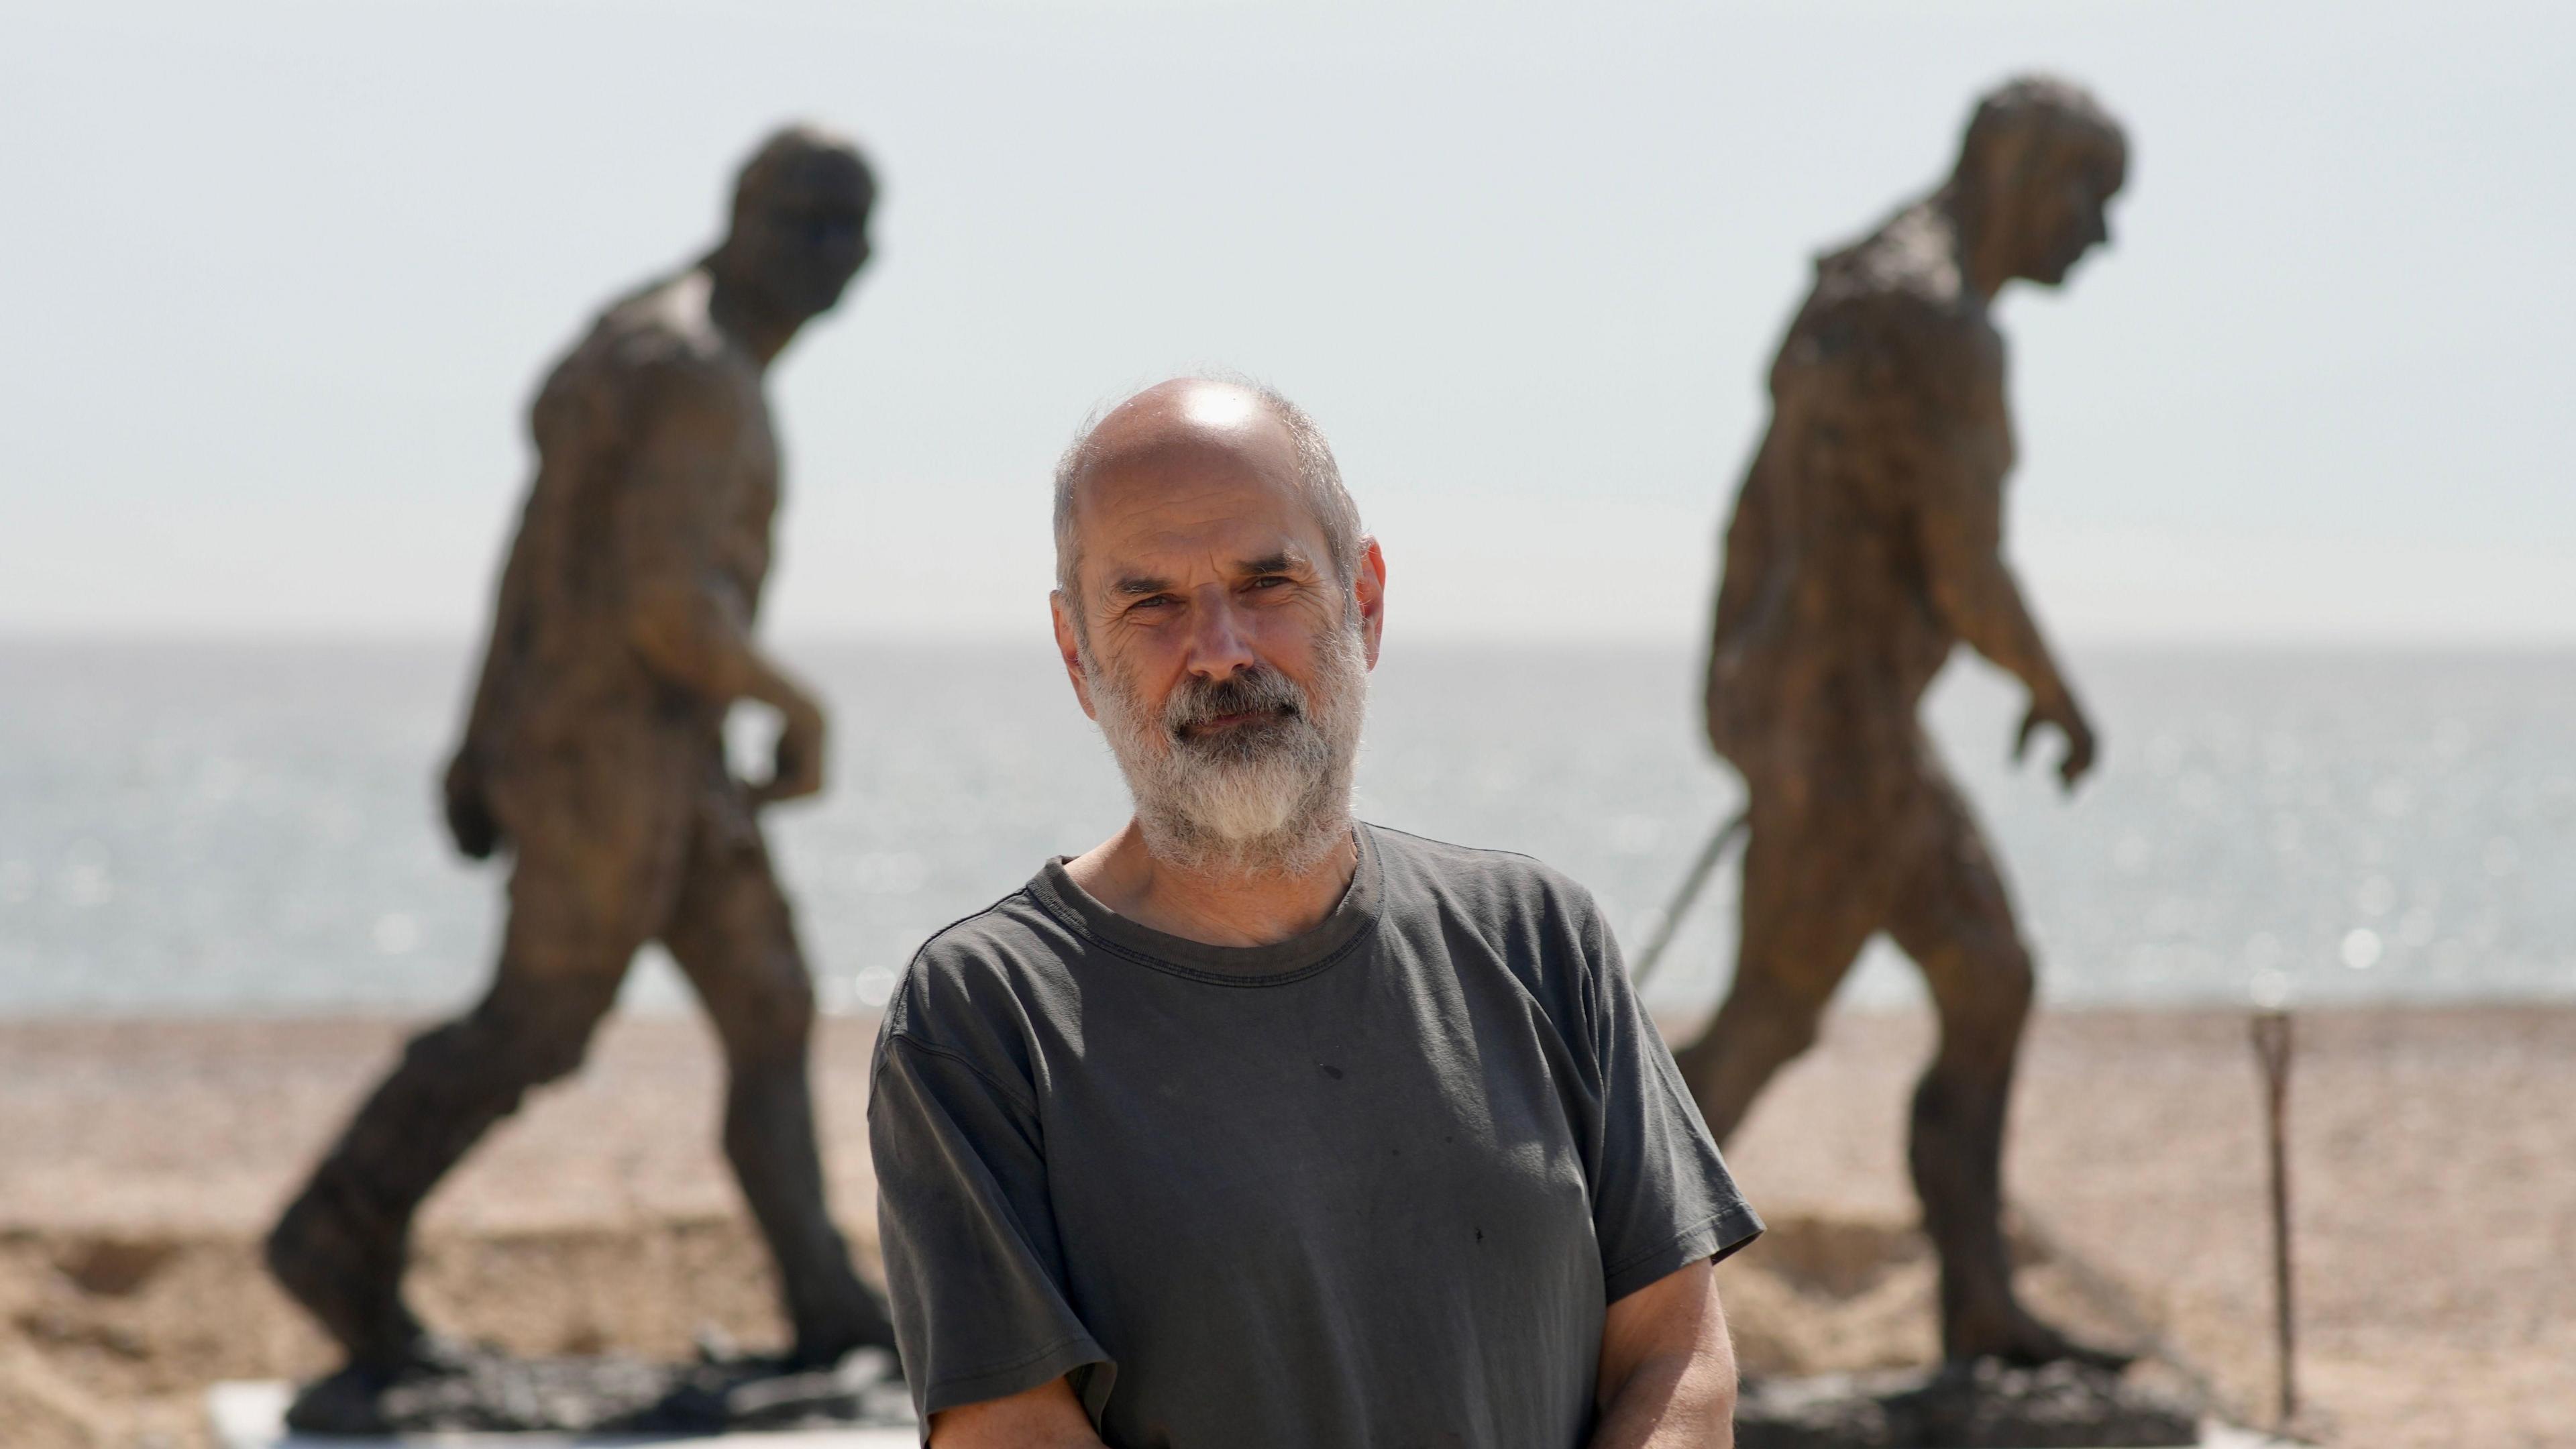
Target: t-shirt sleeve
{"x": 1662, "y": 1198}
{"x": 973, "y": 1268}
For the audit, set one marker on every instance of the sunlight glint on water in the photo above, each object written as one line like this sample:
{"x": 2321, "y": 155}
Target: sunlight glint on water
{"x": 240, "y": 828}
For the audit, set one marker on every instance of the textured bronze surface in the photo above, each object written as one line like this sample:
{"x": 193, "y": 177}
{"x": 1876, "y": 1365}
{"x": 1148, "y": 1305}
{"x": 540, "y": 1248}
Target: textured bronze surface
{"x": 594, "y": 752}
{"x": 1867, "y": 541}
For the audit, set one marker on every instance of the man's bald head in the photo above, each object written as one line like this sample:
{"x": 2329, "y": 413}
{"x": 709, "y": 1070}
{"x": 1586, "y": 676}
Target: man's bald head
{"x": 1240, "y": 423}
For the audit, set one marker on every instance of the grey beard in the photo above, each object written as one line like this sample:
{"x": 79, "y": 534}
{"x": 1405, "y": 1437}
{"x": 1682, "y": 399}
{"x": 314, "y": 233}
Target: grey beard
{"x": 1273, "y": 796}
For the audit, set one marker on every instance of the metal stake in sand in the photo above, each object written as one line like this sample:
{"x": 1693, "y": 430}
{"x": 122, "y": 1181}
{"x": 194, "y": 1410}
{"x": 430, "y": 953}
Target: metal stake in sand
{"x": 2272, "y": 1042}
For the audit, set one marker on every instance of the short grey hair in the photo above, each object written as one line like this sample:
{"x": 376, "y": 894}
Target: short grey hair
{"x": 1317, "y": 473}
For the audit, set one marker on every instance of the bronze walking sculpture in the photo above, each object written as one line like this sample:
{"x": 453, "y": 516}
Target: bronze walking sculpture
{"x": 594, "y": 753}
{"x": 1866, "y": 542}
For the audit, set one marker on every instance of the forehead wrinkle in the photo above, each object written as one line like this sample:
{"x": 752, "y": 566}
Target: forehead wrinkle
{"x": 1285, "y": 558}
{"x": 1203, "y": 530}
{"x": 1163, "y": 504}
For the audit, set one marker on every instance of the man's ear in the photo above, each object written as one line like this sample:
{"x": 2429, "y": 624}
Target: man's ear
{"x": 1062, "y": 609}
{"x": 1369, "y": 592}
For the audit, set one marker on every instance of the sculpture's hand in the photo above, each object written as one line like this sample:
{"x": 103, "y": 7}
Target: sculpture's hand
{"x": 2058, "y": 708}
{"x": 469, "y": 809}
{"x": 796, "y": 768}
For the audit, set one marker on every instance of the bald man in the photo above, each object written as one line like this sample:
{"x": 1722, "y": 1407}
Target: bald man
{"x": 595, "y": 751}
{"x": 1253, "y": 1127}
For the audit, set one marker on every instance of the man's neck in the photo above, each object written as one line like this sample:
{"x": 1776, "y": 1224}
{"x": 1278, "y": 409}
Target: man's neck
{"x": 1212, "y": 908}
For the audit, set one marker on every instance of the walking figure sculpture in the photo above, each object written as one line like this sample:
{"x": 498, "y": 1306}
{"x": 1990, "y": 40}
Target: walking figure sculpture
{"x": 1866, "y": 542}
{"x": 594, "y": 751}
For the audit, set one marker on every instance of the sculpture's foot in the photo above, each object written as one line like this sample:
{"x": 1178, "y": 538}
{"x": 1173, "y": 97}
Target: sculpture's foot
{"x": 825, "y": 1345}
{"x": 2022, "y": 1340}
{"x": 350, "y": 1283}
{"x": 352, "y": 1400}
{"x": 832, "y": 1322}
{"x": 455, "y": 1388}
{"x": 1980, "y": 1403}
{"x": 1984, "y": 1402}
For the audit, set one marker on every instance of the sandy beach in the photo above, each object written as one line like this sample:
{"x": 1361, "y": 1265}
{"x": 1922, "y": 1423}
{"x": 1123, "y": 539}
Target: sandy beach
{"x": 2434, "y": 1153}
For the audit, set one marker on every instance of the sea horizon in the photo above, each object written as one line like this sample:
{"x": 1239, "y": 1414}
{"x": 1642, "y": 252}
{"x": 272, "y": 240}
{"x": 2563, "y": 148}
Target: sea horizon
{"x": 237, "y": 826}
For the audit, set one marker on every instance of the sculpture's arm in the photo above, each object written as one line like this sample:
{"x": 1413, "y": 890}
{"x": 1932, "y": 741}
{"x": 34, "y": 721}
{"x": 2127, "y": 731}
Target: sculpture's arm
{"x": 1751, "y": 591}
{"x": 509, "y": 625}
{"x": 687, "y": 618}
{"x": 1958, "y": 513}
{"x": 1974, "y": 589}
{"x": 469, "y": 811}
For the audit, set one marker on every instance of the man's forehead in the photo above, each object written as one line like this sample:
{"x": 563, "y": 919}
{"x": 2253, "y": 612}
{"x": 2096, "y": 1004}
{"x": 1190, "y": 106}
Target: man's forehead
{"x": 1182, "y": 497}
{"x": 1175, "y": 513}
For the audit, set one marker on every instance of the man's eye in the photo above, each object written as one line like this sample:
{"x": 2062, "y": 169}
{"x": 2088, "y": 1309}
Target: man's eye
{"x": 1268, "y": 581}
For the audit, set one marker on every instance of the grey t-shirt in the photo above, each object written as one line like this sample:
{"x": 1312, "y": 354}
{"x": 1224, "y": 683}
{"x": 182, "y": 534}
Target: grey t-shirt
{"x": 1369, "y": 1188}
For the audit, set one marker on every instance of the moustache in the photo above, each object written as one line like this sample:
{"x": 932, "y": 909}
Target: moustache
{"x": 1262, "y": 693}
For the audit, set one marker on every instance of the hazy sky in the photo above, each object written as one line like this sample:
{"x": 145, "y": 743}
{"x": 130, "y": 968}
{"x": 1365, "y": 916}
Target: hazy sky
{"x": 286, "y": 274}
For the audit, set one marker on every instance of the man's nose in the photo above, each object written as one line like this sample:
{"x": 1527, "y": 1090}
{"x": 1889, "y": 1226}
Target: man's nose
{"x": 1218, "y": 642}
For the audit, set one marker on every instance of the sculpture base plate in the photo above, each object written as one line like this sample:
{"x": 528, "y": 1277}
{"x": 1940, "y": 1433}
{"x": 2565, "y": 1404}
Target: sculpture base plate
{"x": 1977, "y": 1406}
{"x": 482, "y": 1396}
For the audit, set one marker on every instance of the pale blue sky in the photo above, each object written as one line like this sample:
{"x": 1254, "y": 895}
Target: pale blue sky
{"x": 285, "y": 274}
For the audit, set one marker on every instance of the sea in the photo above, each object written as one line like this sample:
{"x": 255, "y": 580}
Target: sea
{"x": 193, "y": 828}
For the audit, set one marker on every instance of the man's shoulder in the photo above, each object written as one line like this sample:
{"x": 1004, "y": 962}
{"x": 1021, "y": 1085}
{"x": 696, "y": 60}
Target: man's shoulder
{"x": 979, "y": 969}
{"x": 1482, "y": 880}
{"x": 1536, "y": 924}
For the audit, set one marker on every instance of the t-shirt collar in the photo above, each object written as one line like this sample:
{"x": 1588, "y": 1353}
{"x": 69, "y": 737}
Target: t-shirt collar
{"x": 1299, "y": 955}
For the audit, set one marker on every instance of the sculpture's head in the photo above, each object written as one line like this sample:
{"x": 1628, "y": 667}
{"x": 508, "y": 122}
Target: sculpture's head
{"x": 1218, "y": 610}
{"x": 2037, "y": 171}
{"x": 800, "y": 221}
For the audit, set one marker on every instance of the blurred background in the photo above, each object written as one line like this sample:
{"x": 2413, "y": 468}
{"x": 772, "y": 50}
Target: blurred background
{"x": 2292, "y": 501}
{"x": 2291, "y": 498}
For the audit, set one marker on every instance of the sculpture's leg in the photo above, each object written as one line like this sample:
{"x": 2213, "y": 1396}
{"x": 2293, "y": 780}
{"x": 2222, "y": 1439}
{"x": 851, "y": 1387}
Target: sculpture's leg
{"x": 1955, "y": 919}
{"x": 598, "y": 855}
{"x": 734, "y": 936}
{"x": 1809, "y": 904}
{"x": 342, "y": 1245}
